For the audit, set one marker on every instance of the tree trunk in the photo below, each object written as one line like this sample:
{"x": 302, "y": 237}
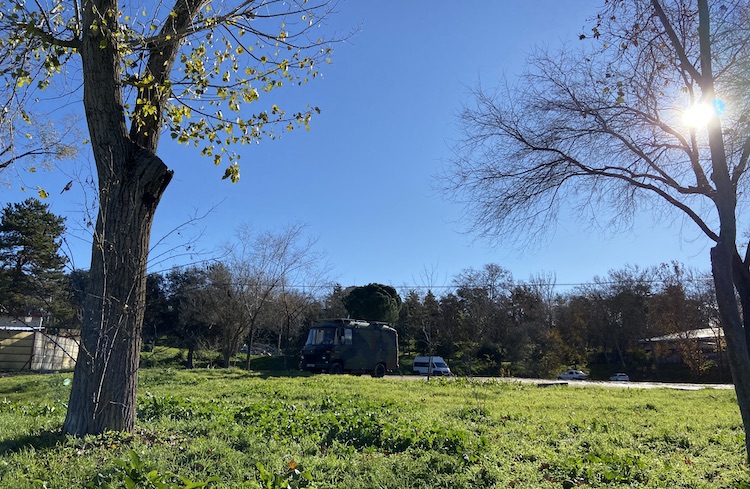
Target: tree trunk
{"x": 190, "y": 354}
{"x": 734, "y": 331}
{"x": 247, "y": 354}
{"x": 132, "y": 180}
{"x": 251, "y": 333}
{"x": 728, "y": 276}
{"x": 619, "y": 354}
{"x": 106, "y": 373}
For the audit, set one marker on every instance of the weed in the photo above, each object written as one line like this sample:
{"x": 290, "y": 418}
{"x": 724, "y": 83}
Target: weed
{"x": 293, "y": 478}
{"x": 174, "y": 408}
{"x": 135, "y": 474}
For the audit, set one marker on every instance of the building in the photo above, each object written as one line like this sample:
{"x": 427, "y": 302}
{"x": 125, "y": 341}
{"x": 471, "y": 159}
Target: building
{"x": 26, "y": 345}
{"x": 672, "y": 347}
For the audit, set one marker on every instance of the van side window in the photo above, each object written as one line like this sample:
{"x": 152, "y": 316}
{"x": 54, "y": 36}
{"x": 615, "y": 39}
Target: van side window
{"x": 347, "y": 338}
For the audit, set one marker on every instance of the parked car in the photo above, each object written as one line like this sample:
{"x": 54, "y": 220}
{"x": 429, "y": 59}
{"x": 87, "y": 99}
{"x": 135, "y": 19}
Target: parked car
{"x": 572, "y": 375}
{"x": 439, "y": 366}
{"x": 620, "y": 377}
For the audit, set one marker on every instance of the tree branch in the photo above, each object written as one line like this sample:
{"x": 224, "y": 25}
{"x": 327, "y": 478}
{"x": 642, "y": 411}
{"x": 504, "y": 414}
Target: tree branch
{"x": 676, "y": 44}
{"x": 48, "y": 38}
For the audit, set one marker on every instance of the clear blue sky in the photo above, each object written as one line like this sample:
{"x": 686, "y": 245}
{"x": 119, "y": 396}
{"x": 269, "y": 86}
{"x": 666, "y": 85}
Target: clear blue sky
{"x": 362, "y": 178}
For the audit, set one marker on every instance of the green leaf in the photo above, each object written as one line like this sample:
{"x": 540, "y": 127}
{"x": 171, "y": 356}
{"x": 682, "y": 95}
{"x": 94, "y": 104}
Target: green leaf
{"x": 232, "y": 172}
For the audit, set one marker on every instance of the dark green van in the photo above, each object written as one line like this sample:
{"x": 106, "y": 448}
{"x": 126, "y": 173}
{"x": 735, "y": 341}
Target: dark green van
{"x": 350, "y": 346}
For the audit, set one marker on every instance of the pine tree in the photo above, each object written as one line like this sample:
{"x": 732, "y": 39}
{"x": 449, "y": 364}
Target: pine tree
{"x": 32, "y": 279}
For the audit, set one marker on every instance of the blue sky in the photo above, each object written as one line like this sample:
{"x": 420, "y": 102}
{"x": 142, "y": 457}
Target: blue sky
{"x": 363, "y": 178}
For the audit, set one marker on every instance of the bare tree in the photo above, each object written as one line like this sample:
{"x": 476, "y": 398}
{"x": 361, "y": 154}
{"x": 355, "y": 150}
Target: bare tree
{"x": 495, "y": 280}
{"x": 292, "y": 306}
{"x": 262, "y": 265}
{"x": 603, "y": 128}
{"x": 544, "y": 284}
{"x": 428, "y": 334}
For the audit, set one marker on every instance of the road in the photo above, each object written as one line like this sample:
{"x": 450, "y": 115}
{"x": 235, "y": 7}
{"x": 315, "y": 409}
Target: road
{"x": 591, "y": 383}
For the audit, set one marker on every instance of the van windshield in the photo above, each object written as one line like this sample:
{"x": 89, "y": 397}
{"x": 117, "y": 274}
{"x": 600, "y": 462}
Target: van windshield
{"x": 321, "y": 336}
{"x": 439, "y": 365}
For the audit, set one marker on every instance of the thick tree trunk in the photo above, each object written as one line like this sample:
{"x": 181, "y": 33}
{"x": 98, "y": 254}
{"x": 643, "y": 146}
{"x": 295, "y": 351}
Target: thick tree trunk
{"x": 734, "y": 330}
{"x": 106, "y": 374}
{"x": 132, "y": 180}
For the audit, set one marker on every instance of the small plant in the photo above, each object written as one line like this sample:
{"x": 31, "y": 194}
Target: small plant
{"x": 136, "y": 475}
{"x": 294, "y": 478}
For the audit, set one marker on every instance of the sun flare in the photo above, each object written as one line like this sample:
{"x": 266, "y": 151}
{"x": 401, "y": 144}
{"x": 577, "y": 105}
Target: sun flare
{"x": 698, "y": 115}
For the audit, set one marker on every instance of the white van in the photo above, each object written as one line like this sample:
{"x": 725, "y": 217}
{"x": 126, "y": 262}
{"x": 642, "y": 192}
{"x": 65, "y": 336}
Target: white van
{"x": 439, "y": 367}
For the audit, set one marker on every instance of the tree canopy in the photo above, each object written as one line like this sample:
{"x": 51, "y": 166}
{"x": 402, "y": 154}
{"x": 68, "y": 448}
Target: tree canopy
{"x": 191, "y": 70}
{"x": 32, "y": 278}
{"x": 373, "y": 302}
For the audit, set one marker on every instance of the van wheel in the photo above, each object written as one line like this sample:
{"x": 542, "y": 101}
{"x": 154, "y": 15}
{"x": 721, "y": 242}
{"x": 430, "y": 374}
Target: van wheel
{"x": 379, "y": 370}
{"x": 336, "y": 369}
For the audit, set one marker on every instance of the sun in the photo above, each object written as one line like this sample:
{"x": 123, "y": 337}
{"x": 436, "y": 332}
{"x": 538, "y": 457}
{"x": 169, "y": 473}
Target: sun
{"x": 698, "y": 115}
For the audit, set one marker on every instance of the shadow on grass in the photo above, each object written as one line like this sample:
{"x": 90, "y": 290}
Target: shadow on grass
{"x": 273, "y": 374}
{"x": 42, "y": 441}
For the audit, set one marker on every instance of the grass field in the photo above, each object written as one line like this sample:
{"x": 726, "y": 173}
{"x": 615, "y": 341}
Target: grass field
{"x": 230, "y": 428}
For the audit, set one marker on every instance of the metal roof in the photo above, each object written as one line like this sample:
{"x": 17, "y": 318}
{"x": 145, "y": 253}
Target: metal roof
{"x": 693, "y": 334}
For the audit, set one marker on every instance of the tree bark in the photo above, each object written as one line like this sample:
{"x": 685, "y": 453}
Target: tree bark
{"x": 727, "y": 276}
{"x": 106, "y": 374}
{"x": 734, "y": 330}
{"x": 132, "y": 180}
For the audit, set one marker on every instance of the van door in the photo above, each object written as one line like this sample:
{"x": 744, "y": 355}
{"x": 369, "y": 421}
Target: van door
{"x": 348, "y": 349}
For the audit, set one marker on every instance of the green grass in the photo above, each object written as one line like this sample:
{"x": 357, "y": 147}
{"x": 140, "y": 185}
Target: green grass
{"x": 216, "y": 426}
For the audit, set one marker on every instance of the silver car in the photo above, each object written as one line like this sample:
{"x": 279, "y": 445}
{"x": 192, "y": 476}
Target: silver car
{"x": 572, "y": 375}
{"x": 620, "y": 377}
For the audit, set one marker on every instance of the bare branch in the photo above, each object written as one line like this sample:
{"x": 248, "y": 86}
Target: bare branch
{"x": 666, "y": 23}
